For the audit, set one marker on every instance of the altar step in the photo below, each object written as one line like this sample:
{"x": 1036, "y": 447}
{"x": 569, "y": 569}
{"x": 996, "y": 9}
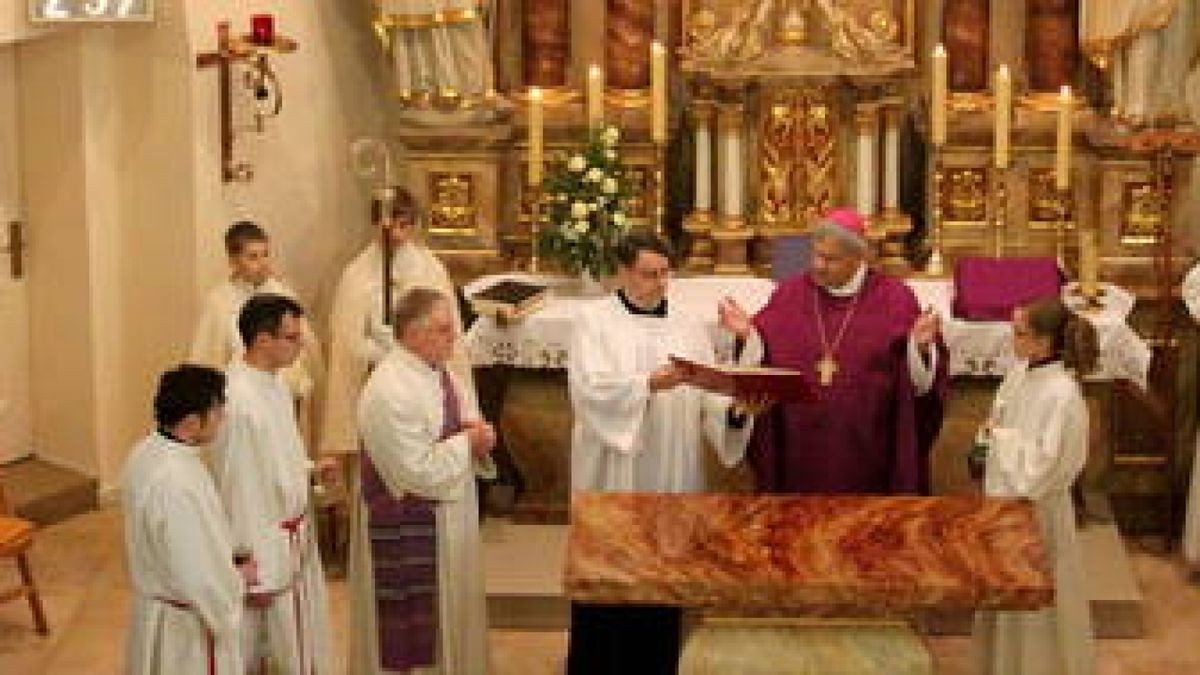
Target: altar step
{"x": 46, "y": 493}
{"x": 525, "y": 567}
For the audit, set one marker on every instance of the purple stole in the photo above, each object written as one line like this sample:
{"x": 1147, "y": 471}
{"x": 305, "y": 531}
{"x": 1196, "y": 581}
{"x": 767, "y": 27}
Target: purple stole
{"x": 403, "y": 536}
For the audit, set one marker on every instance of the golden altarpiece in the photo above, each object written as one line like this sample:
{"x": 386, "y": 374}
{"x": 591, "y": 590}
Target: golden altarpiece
{"x": 782, "y": 109}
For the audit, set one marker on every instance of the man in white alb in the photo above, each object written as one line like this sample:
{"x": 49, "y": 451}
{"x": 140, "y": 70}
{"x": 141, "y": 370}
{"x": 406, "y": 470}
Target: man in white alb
{"x": 187, "y": 607}
{"x": 416, "y": 575}
{"x": 216, "y": 342}
{"x": 637, "y": 426}
{"x": 263, "y": 475}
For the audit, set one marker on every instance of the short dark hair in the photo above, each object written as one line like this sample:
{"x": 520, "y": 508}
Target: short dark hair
{"x": 241, "y": 233}
{"x": 187, "y": 389}
{"x": 414, "y": 305}
{"x": 263, "y": 313}
{"x": 632, "y": 244}
{"x": 1073, "y": 337}
{"x": 401, "y": 201}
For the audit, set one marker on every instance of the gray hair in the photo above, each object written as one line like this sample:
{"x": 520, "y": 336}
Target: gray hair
{"x": 415, "y": 306}
{"x": 849, "y": 241}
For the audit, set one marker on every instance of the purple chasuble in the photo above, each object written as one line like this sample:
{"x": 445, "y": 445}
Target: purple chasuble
{"x": 403, "y": 535}
{"x": 868, "y": 432}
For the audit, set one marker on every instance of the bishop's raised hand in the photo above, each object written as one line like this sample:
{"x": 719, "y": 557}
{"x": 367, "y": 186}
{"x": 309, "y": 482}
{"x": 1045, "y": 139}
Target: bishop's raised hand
{"x": 733, "y": 318}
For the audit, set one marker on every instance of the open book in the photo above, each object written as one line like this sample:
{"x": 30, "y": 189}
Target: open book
{"x": 747, "y": 382}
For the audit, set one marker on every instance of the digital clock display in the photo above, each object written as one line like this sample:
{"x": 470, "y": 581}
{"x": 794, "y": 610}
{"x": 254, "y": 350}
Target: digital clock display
{"x": 44, "y": 11}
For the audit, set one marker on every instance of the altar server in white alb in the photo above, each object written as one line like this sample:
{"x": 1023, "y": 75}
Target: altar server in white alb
{"x": 216, "y": 341}
{"x": 1038, "y": 432}
{"x": 416, "y": 575}
{"x": 637, "y": 426}
{"x": 1191, "y": 529}
{"x": 263, "y": 475}
{"x": 187, "y": 605}
{"x": 359, "y": 335}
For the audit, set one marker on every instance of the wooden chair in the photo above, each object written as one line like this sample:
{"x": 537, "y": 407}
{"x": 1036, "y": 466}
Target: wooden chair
{"x": 16, "y": 536}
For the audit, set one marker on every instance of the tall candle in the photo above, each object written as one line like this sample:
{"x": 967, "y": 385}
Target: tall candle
{"x": 658, "y": 92}
{"x": 1003, "y": 96}
{"x": 1062, "y": 157}
{"x": 535, "y": 136}
{"x": 595, "y": 97}
{"x": 937, "y": 99}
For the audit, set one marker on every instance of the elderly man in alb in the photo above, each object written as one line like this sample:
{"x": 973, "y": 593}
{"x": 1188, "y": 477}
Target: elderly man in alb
{"x": 187, "y": 607}
{"x": 263, "y": 475}
{"x": 416, "y": 575}
{"x": 876, "y": 362}
{"x": 216, "y": 342}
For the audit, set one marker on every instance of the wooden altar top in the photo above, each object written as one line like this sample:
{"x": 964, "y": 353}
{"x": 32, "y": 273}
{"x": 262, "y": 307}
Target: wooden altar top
{"x": 810, "y": 555}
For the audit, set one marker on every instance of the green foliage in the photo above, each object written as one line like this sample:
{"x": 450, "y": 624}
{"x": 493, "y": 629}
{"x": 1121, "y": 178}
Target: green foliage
{"x": 586, "y": 206}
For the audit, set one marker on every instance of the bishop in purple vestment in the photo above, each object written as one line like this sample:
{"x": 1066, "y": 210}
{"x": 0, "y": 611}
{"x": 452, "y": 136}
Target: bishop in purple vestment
{"x": 875, "y": 362}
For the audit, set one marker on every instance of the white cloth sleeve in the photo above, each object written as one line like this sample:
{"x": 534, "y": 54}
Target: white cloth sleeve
{"x": 922, "y": 373}
{"x": 1025, "y": 464}
{"x": 409, "y": 458}
{"x": 609, "y": 405}
{"x": 200, "y": 565}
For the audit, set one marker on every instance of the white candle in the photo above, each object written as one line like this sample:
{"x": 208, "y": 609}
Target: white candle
{"x": 1062, "y": 157}
{"x": 891, "y": 160}
{"x": 658, "y": 92}
{"x": 937, "y": 99}
{"x": 703, "y": 200}
{"x": 595, "y": 97}
{"x": 535, "y": 136}
{"x": 1003, "y": 96}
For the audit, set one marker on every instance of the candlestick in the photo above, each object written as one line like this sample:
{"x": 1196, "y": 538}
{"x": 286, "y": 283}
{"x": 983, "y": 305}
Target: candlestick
{"x": 535, "y": 136}
{"x": 935, "y": 266}
{"x": 1003, "y": 96}
{"x": 1062, "y": 157}
{"x": 262, "y": 29}
{"x": 658, "y": 92}
{"x": 595, "y": 97}
{"x": 937, "y": 100}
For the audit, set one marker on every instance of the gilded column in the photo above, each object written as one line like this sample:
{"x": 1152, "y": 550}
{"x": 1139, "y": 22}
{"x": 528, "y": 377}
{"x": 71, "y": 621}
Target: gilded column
{"x": 699, "y": 222}
{"x": 866, "y": 122}
{"x": 891, "y": 157}
{"x": 731, "y": 233}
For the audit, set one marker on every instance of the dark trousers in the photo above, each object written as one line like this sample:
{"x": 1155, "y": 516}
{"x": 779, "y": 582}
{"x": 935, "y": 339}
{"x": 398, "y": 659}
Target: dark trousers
{"x": 624, "y": 640}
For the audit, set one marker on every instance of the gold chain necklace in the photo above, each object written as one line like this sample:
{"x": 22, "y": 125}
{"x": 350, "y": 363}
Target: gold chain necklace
{"x": 827, "y": 365}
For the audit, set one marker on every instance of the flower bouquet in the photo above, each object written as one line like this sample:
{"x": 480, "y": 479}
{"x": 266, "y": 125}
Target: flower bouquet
{"x": 586, "y": 207}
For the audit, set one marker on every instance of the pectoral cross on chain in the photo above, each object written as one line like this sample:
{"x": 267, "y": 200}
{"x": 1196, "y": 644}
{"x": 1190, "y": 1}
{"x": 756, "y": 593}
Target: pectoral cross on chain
{"x": 826, "y": 369}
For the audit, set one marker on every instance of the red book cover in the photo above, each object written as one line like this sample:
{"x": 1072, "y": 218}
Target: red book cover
{"x": 746, "y": 382}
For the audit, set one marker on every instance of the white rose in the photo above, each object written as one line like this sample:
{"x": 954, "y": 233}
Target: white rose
{"x": 594, "y": 175}
{"x": 611, "y": 155}
{"x": 592, "y": 207}
{"x": 601, "y": 200}
{"x": 611, "y": 135}
{"x": 577, "y": 163}
{"x": 609, "y": 186}
{"x": 581, "y": 226}
{"x": 579, "y": 210}
{"x": 618, "y": 218}
{"x": 570, "y": 234}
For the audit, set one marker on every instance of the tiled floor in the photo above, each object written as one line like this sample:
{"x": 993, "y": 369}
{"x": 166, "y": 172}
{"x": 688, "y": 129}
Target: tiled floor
{"x": 79, "y": 565}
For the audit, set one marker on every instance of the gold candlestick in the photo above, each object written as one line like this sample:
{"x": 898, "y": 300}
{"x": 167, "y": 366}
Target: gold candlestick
{"x": 535, "y": 217}
{"x": 660, "y": 185}
{"x": 999, "y": 209}
{"x": 1060, "y": 233}
{"x": 936, "y": 266}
